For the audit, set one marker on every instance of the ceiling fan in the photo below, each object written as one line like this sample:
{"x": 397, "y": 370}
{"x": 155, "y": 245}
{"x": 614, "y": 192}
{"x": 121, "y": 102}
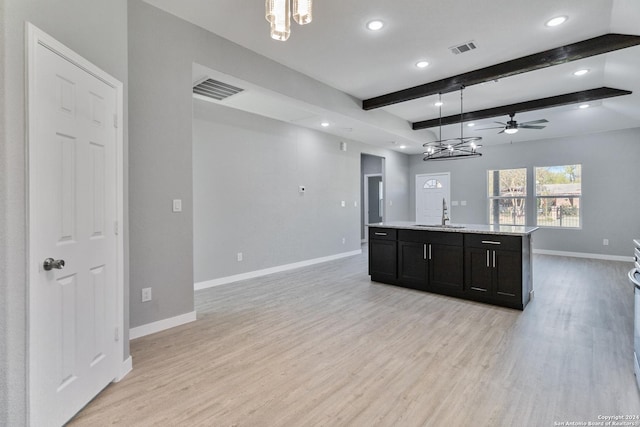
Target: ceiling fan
{"x": 512, "y": 126}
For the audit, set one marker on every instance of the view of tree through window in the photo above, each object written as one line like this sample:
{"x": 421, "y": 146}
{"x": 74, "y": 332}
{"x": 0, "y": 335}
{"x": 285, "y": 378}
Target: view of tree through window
{"x": 507, "y": 190}
{"x": 558, "y": 193}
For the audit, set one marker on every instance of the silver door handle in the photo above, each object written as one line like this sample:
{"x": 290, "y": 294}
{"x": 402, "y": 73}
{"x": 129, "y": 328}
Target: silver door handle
{"x": 494, "y": 259}
{"x": 488, "y": 258}
{"x": 429, "y": 250}
{"x": 50, "y": 264}
{"x": 380, "y": 234}
{"x": 424, "y": 252}
{"x": 490, "y": 242}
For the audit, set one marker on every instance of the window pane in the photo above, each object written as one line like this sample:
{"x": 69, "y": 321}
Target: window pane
{"x": 509, "y": 211}
{"x": 558, "y": 212}
{"x": 559, "y": 180}
{"x": 507, "y": 183}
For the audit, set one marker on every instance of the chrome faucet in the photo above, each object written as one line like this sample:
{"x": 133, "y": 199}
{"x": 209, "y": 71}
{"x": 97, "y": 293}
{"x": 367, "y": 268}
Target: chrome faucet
{"x": 445, "y": 218}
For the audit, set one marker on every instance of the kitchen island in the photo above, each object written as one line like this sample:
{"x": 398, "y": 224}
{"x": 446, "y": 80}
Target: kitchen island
{"x": 486, "y": 263}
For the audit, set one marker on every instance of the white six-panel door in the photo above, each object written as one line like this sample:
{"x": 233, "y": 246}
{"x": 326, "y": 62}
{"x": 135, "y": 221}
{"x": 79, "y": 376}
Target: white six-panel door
{"x": 73, "y": 214}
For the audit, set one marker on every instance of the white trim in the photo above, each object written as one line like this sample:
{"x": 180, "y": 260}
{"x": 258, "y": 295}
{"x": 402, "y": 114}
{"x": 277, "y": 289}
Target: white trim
{"x": 161, "y": 325}
{"x": 258, "y": 273}
{"x": 636, "y": 367}
{"x": 584, "y": 255}
{"x": 125, "y": 367}
{"x": 365, "y": 207}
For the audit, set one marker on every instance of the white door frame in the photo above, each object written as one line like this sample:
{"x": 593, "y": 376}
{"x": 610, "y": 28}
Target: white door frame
{"x": 35, "y": 37}
{"x": 366, "y": 202}
{"x": 424, "y": 175}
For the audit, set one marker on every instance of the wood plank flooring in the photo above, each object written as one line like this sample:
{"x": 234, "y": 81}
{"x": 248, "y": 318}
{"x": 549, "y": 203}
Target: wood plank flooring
{"x": 324, "y": 346}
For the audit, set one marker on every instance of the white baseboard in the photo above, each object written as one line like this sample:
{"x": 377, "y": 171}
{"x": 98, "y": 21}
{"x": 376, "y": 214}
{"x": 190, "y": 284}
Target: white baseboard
{"x": 125, "y": 367}
{"x": 584, "y": 255}
{"x": 161, "y": 325}
{"x": 253, "y": 274}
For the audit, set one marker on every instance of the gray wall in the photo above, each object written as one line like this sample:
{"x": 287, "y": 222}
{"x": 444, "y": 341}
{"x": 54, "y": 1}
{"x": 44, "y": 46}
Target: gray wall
{"x": 161, "y": 146}
{"x": 247, "y": 170}
{"x": 97, "y": 30}
{"x": 610, "y": 177}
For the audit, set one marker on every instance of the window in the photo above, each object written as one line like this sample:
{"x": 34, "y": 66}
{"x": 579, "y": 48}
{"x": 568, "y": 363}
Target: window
{"x": 432, "y": 183}
{"x": 507, "y": 190}
{"x": 558, "y": 192}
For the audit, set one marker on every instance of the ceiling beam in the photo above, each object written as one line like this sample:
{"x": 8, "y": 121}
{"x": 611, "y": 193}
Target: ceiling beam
{"x": 536, "y": 104}
{"x": 560, "y": 55}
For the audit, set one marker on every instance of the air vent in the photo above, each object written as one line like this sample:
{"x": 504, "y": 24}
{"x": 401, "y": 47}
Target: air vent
{"x": 465, "y": 47}
{"x": 216, "y": 89}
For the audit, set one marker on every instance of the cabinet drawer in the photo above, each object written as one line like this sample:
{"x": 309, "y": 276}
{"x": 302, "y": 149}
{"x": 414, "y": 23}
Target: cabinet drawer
{"x": 382, "y": 233}
{"x": 436, "y": 237}
{"x": 507, "y": 243}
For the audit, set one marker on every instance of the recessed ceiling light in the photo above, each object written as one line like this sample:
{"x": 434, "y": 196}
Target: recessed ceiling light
{"x": 422, "y": 64}
{"x": 324, "y": 124}
{"x": 581, "y": 72}
{"x": 438, "y": 103}
{"x": 375, "y": 25}
{"x": 554, "y": 22}
{"x": 471, "y": 124}
{"x": 583, "y": 106}
{"x": 402, "y": 147}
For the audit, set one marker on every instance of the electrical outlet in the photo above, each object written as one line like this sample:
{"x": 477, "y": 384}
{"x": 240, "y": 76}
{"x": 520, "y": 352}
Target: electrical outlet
{"x": 146, "y": 294}
{"x": 344, "y": 240}
{"x": 605, "y": 242}
{"x": 343, "y": 203}
{"x": 239, "y": 256}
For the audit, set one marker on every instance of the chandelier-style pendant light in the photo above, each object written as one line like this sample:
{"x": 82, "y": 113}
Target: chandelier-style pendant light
{"x": 278, "y": 13}
{"x": 453, "y": 148}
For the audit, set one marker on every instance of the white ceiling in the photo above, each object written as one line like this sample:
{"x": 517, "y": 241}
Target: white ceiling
{"x": 339, "y": 51}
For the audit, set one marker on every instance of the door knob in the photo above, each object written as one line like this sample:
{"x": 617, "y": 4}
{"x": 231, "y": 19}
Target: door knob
{"x": 50, "y": 264}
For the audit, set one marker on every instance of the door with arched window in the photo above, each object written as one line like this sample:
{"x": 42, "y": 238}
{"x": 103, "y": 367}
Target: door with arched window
{"x": 430, "y": 190}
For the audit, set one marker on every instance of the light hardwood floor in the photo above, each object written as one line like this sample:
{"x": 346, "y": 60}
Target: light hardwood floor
{"x": 324, "y": 346}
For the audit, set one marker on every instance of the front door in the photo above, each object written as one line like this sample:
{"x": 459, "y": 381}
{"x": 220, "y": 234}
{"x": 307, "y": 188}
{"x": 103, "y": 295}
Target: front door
{"x": 431, "y": 189}
{"x": 74, "y": 271}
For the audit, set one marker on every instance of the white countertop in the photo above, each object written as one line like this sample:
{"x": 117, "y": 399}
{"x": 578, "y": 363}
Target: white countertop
{"x": 514, "y": 230}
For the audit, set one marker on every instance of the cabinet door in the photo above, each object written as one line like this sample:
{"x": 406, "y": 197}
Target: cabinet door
{"x": 382, "y": 260}
{"x": 508, "y": 275}
{"x": 412, "y": 265}
{"x": 478, "y": 271}
{"x": 446, "y": 267}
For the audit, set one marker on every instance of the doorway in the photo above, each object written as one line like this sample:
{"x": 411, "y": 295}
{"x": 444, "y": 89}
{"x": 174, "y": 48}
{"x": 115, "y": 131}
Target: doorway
{"x": 372, "y": 192}
{"x": 431, "y": 190}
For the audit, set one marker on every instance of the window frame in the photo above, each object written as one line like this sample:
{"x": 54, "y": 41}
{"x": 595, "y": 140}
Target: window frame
{"x": 557, "y": 196}
{"x": 525, "y": 197}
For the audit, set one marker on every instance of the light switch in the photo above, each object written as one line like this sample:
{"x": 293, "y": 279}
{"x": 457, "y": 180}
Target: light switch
{"x": 343, "y": 203}
{"x": 177, "y": 205}
{"x": 454, "y": 203}
{"x": 463, "y": 203}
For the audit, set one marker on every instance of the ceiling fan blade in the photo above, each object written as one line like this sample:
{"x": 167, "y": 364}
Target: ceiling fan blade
{"x": 497, "y": 127}
{"x": 500, "y": 123}
{"x": 502, "y": 131}
{"x": 535, "y": 122}
{"x": 530, "y": 127}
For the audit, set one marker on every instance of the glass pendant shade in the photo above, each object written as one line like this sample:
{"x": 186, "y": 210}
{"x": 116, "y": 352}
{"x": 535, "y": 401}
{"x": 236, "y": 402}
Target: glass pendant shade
{"x": 278, "y": 14}
{"x": 302, "y": 11}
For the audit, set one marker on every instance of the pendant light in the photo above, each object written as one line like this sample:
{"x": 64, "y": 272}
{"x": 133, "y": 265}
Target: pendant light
{"x": 453, "y": 148}
{"x": 278, "y": 13}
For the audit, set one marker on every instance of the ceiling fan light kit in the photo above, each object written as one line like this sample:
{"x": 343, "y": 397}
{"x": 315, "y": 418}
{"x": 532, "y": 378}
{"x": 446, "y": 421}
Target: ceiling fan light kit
{"x": 278, "y": 14}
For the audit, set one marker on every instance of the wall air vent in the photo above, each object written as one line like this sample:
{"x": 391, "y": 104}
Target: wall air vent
{"x": 216, "y": 89}
{"x": 465, "y": 47}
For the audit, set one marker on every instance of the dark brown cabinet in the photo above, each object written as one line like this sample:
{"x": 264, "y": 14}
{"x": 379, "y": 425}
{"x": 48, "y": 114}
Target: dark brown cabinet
{"x": 382, "y": 255}
{"x": 494, "y": 269}
{"x": 490, "y": 268}
{"x": 431, "y": 261}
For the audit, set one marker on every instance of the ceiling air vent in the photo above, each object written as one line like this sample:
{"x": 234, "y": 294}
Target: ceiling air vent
{"x": 216, "y": 89}
{"x": 465, "y": 47}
